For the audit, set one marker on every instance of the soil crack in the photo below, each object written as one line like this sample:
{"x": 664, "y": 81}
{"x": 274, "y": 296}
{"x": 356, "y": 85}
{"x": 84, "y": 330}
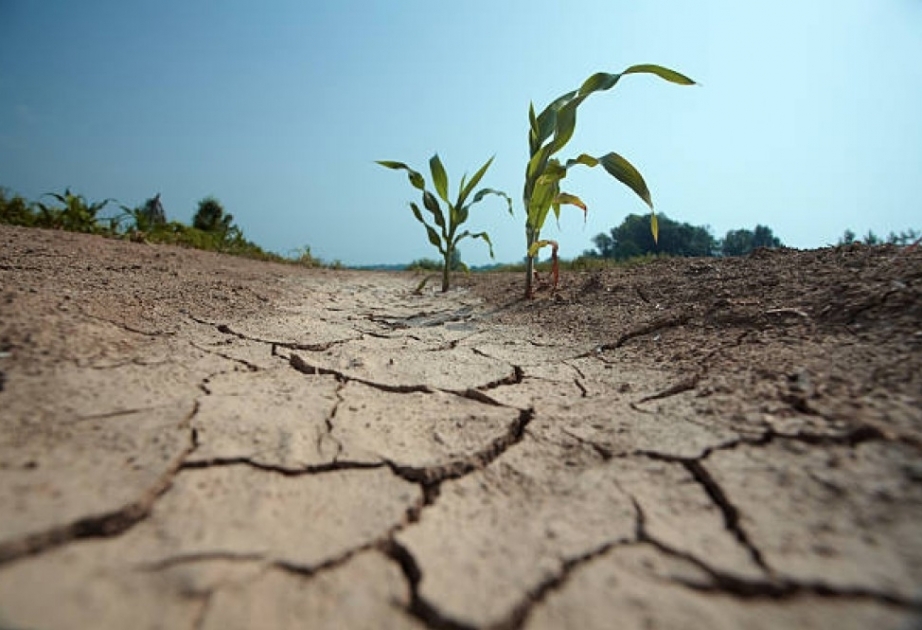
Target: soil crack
{"x": 105, "y": 525}
{"x": 662, "y": 323}
{"x": 419, "y": 608}
{"x": 304, "y": 367}
{"x": 429, "y": 475}
{"x": 281, "y": 470}
{"x": 730, "y": 512}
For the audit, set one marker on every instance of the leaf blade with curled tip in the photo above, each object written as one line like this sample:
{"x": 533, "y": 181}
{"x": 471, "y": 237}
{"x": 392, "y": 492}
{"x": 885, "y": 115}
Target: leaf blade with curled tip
{"x": 622, "y": 170}
{"x": 662, "y": 72}
{"x": 416, "y": 179}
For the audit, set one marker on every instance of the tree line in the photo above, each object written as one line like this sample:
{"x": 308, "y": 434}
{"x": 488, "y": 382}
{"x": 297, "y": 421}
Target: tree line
{"x": 632, "y": 238}
{"x": 902, "y": 239}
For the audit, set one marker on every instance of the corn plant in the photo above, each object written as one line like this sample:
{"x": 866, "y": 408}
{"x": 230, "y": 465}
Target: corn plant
{"x": 446, "y": 237}
{"x": 549, "y": 132}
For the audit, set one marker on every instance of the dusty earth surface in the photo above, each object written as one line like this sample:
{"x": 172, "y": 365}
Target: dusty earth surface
{"x": 189, "y": 440}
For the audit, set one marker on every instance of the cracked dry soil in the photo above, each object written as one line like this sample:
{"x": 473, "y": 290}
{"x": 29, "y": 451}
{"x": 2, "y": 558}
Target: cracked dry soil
{"x": 189, "y": 440}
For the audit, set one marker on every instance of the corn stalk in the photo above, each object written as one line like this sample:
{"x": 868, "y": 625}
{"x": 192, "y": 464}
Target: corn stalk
{"x": 549, "y": 132}
{"x": 443, "y": 232}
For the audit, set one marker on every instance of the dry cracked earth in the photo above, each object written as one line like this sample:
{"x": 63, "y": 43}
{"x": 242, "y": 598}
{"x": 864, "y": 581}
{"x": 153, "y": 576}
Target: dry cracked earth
{"x": 189, "y": 440}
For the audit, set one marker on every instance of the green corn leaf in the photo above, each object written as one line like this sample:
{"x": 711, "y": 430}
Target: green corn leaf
{"x": 537, "y": 246}
{"x": 430, "y": 231}
{"x": 585, "y": 159}
{"x": 466, "y": 191}
{"x": 547, "y": 119}
{"x": 599, "y": 82}
{"x": 432, "y": 205}
{"x": 483, "y": 192}
{"x": 624, "y": 172}
{"x": 572, "y": 200}
{"x": 534, "y": 130}
{"x": 563, "y": 198}
{"x": 654, "y": 226}
{"x": 664, "y": 73}
{"x": 415, "y": 178}
{"x": 566, "y": 125}
{"x": 481, "y": 235}
{"x": 553, "y": 172}
{"x": 540, "y": 204}
{"x": 461, "y": 215}
{"x": 417, "y": 213}
{"x": 439, "y": 177}
{"x": 536, "y": 166}
{"x": 434, "y": 239}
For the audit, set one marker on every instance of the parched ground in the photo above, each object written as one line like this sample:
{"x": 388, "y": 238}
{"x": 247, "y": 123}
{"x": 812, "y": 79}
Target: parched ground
{"x": 189, "y": 440}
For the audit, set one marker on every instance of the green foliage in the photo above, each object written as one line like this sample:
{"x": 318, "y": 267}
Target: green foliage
{"x": 147, "y": 222}
{"x": 15, "y": 210}
{"x": 443, "y": 231}
{"x": 230, "y": 242}
{"x": 210, "y": 216}
{"x": 75, "y": 214}
{"x": 742, "y": 242}
{"x": 633, "y": 238}
{"x": 425, "y": 264}
{"x": 848, "y": 237}
{"x": 148, "y": 217}
{"x": 902, "y": 239}
{"x": 549, "y": 132}
{"x": 304, "y": 258}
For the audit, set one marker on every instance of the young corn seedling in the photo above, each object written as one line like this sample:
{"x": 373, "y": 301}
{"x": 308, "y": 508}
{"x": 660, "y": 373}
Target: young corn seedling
{"x": 444, "y": 234}
{"x": 549, "y": 132}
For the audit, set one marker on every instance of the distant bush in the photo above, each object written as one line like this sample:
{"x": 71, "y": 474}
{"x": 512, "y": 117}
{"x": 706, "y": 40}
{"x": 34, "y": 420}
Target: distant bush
{"x": 304, "y": 258}
{"x": 14, "y": 210}
{"x": 146, "y": 223}
{"x": 425, "y": 264}
{"x": 903, "y": 239}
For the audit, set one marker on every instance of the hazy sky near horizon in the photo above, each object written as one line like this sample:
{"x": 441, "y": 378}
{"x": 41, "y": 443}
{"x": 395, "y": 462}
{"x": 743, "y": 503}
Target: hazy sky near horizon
{"x": 808, "y": 119}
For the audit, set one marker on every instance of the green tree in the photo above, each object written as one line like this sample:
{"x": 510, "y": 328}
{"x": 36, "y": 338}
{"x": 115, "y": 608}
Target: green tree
{"x": 762, "y": 236}
{"x": 742, "y": 242}
{"x": 15, "y": 210}
{"x": 210, "y": 216}
{"x": 736, "y": 243}
{"x": 633, "y": 238}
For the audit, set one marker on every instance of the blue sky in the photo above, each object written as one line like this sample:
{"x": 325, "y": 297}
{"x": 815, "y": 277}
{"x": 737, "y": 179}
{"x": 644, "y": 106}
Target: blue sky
{"x": 808, "y": 119}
